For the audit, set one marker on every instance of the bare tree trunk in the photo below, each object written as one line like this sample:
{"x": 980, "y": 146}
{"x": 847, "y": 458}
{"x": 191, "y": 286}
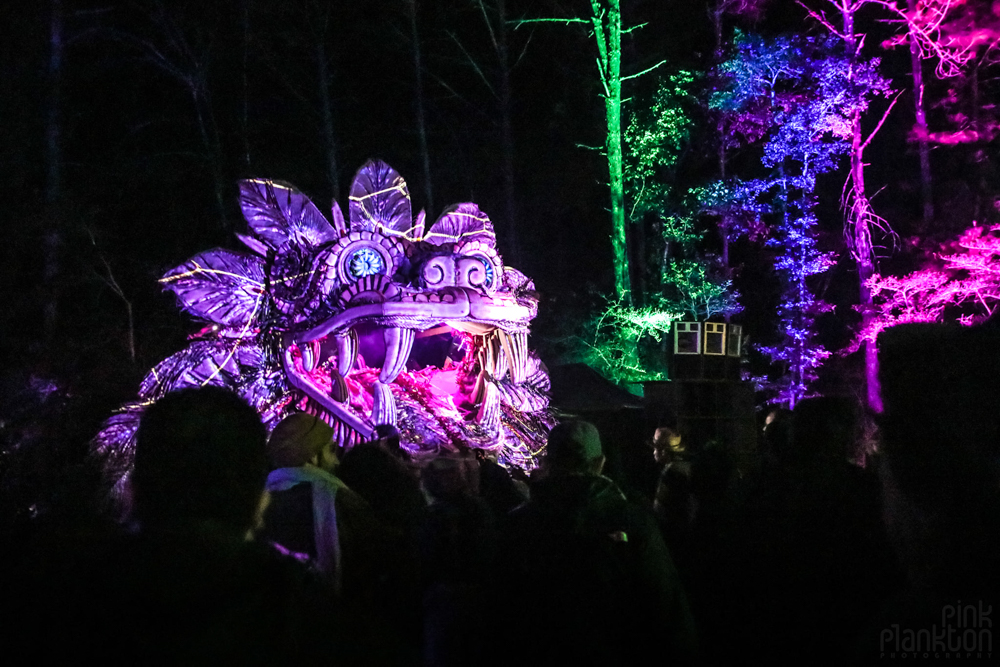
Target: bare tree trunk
{"x": 421, "y": 124}
{"x": 921, "y": 126}
{"x": 326, "y": 108}
{"x": 245, "y": 111}
{"x": 511, "y": 240}
{"x": 607, "y": 23}
{"x": 859, "y": 217}
{"x": 717, "y": 14}
{"x": 209, "y": 132}
{"x": 866, "y": 266}
{"x": 53, "y": 172}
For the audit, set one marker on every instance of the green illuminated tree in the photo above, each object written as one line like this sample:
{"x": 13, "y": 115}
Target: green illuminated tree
{"x": 605, "y": 22}
{"x": 658, "y": 136}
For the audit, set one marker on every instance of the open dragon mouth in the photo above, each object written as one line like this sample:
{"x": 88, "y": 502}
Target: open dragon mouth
{"x": 450, "y": 354}
{"x": 370, "y": 320}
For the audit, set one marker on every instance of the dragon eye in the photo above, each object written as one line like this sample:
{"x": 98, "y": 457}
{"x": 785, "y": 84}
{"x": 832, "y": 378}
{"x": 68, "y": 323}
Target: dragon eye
{"x": 488, "y": 266}
{"x": 365, "y": 262}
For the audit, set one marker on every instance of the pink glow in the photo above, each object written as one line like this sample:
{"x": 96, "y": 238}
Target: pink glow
{"x": 960, "y": 284}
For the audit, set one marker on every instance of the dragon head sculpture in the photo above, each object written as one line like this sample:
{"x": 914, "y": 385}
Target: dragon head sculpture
{"x": 369, "y": 320}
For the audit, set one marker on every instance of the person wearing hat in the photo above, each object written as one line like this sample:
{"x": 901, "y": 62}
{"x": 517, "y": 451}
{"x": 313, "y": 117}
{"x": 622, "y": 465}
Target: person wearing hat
{"x": 592, "y": 567}
{"x": 302, "y": 515}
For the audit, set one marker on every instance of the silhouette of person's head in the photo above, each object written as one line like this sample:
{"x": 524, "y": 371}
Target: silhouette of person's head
{"x": 940, "y": 428}
{"x": 299, "y": 439}
{"x": 199, "y": 457}
{"x": 823, "y": 431}
{"x": 574, "y": 446}
{"x": 940, "y": 458}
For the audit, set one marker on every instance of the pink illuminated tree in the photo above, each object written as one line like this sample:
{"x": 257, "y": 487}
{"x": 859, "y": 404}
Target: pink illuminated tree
{"x": 960, "y": 284}
{"x": 959, "y": 37}
{"x": 862, "y": 225}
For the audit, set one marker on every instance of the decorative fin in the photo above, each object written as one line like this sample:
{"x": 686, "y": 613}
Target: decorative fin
{"x": 338, "y": 219}
{"x": 219, "y": 285}
{"x": 207, "y": 362}
{"x": 461, "y": 222}
{"x": 282, "y": 216}
{"x": 380, "y": 201}
{"x": 255, "y": 246}
{"x": 419, "y": 225}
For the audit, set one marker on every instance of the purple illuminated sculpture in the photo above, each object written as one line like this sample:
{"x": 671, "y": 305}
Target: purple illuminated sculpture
{"x": 371, "y": 320}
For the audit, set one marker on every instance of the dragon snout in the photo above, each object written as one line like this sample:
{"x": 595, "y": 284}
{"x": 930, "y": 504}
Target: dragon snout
{"x": 449, "y": 271}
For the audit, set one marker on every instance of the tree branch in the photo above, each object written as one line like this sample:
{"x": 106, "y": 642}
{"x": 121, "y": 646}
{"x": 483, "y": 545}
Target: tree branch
{"x": 475, "y": 65}
{"x": 821, "y": 17}
{"x": 879, "y": 126}
{"x": 645, "y": 71}
{"x": 519, "y": 22}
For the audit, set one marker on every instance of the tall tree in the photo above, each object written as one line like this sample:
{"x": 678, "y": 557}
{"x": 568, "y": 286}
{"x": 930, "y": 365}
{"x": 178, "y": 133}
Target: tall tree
{"x": 324, "y": 86}
{"x": 606, "y": 18}
{"x": 924, "y": 31}
{"x": 313, "y": 86}
{"x": 658, "y": 136}
{"x": 718, "y": 13}
{"x": 183, "y": 50}
{"x": 861, "y": 221}
{"x": 804, "y": 93}
{"x": 606, "y": 27}
{"x": 419, "y": 102}
{"x": 53, "y": 168}
{"x": 494, "y": 15}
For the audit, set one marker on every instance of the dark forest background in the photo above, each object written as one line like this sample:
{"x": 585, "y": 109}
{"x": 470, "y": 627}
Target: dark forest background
{"x": 126, "y": 126}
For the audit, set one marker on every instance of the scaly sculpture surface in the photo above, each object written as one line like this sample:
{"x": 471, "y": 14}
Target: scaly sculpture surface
{"x": 366, "y": 321}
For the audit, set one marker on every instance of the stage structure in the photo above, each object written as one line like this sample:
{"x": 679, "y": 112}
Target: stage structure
{"x": 370, "y": 320}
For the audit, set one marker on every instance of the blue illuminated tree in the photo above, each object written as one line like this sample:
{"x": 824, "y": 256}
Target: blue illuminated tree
{"x": 809, "y": 90}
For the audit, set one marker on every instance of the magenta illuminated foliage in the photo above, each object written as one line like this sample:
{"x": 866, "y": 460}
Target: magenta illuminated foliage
{"x": 961, "y": 283}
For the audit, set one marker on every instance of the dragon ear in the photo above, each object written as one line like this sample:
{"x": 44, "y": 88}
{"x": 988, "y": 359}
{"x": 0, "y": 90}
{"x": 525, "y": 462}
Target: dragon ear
{"x": 462, "y": 222}
{"x": 255, "y": 246}
{"x": 380, "y": 201}
{"x": 281, "y": 216}
{"x": 338, "y": 219}
{"x": 219, "y": 285}
{"x": 419, "y": 224}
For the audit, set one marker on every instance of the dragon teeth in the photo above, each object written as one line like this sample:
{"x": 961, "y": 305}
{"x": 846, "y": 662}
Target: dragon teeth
{"x": 500, "y": 363}
{"x": 398, "y": 344}
{"x": 516, "y": 347}
{"x": 489, "y": 409}
{"x": 384, "y": 408}
{"x": 347, "y": 351}
{"x": 310, "y": 353}
{"x": 492, "y": 365}
{"x": 338, "y": 387}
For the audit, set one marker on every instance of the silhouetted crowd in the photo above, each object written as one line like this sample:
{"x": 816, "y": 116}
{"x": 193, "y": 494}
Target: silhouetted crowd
{"x": 244, "y": 548}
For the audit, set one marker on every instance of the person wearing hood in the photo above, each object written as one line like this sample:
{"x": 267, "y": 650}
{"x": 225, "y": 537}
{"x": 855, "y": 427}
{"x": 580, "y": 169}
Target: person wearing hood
{"x": 594, "y": 570}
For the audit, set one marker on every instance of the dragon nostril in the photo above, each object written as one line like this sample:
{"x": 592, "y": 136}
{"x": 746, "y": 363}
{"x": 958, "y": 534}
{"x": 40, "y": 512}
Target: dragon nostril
{"x": 476, "y": 272}
{"x": 435, "y": 272}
